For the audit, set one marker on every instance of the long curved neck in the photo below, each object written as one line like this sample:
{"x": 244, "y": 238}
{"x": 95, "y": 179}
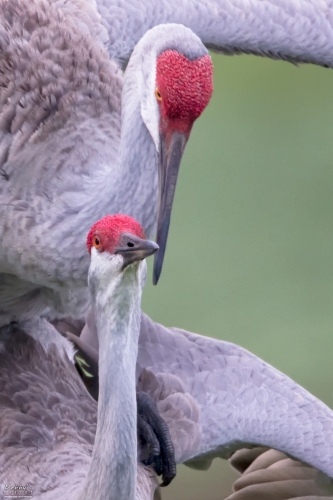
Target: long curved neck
{"x": 113, "y": 468}
{"x": 137, "y": 172}
{"x": 298, "y": 30}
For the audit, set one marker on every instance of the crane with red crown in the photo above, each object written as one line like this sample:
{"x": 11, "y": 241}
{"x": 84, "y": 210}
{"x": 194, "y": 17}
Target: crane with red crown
{"x": 79, "y": 141}
{"x": 214, "y": 396}
{"x": 86, "y": 165}
{"x": 67, "y": 161}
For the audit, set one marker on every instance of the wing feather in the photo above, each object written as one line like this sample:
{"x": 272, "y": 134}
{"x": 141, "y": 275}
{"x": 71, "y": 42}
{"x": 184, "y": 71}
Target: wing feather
{"x": 215, "y": 395}
{"x": 274, "y": 28}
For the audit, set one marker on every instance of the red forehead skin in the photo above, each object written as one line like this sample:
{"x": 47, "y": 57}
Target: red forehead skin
{"x": 185, "y": 86}
{"x": 109, "y": 230}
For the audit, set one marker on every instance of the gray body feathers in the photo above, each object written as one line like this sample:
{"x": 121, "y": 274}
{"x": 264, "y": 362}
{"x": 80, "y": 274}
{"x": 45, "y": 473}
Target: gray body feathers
{"x": 65, "y": 163}
{"x": 60, "y": 99}
{"x": 47, "y": 419}
{"x": 214, "y": 396}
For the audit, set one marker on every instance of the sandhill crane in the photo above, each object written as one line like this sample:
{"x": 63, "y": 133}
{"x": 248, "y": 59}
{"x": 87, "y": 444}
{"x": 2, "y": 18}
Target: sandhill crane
{"x": 116, "y": 286}
{"x": 39, "y": 123}
{"x": 61, "y": 122}
{"x": 300, "y": 31}
{"x": 60, "y": 142}
{"x": 215, "y": 396}
{"x": 57, "y": 432}
{"x": 296, "y": 31}
{"x": 63, "y": 163}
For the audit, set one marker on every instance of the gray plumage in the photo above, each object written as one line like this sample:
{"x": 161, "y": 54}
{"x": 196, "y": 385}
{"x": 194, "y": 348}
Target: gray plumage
{"x": 63, "y": 163}
{"x": 294, "y": 30}
{"x": 213, "y": 395}
{"x": 228, "y": 396}
{"x": 60, "y": 125}
{"x": 47, "y": 419}
{"x": 60, "y": 107}
{"x": 60, "y": 97}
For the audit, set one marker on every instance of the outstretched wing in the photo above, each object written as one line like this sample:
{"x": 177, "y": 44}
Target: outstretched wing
{"x": 215, "y": 396}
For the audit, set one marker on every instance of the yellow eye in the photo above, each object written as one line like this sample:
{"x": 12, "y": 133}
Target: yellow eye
{"x": 96, "y": 242}
{"x": 158, "y": 95}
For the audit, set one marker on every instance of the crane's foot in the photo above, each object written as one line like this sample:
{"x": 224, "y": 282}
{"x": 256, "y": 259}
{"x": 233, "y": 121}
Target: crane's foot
{"x": 154, "y": 437}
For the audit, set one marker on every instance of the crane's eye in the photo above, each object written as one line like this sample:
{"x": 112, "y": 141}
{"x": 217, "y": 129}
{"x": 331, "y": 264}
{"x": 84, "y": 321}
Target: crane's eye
{"x": 158, "y": 95}
{"x": 96, "y": 242}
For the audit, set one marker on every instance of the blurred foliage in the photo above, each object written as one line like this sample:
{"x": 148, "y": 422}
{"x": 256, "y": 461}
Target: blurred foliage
{"x": 250, "y": 252}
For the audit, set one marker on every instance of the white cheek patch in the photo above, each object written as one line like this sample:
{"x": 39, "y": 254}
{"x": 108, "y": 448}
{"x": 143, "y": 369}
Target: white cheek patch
{"x": 149, "y": 108}
{"x": 143, "y": 273}
{"x": 105, "y": 264}
{"x": 104, "y": 268}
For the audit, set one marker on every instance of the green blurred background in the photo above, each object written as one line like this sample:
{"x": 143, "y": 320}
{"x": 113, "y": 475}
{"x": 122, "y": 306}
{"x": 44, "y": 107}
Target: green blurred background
{"x": 250, "y": 252}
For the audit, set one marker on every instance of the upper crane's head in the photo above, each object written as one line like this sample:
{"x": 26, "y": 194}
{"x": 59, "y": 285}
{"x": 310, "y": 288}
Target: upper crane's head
{"x": 116, "y": 242}
{"x": 183, "y": 89}
{"x": 176, "y": 86}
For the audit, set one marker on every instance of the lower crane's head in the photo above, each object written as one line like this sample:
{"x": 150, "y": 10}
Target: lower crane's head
{"x": 177, "y": 86}
{"x": 116, "y": 242}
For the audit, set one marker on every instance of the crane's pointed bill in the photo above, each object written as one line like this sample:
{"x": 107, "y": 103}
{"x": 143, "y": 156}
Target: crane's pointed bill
{"x": 172, "y": 146}
{"x": 132, "y": 248}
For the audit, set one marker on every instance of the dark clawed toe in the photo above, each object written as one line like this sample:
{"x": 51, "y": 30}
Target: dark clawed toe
{"x": 147, "y": 440}
{"x": 164, "y": 462}
{"x": 158, "y": 465}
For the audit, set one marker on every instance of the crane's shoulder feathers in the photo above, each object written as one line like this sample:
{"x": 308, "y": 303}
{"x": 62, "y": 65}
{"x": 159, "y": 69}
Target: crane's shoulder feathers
{"x": 51, "y": 62}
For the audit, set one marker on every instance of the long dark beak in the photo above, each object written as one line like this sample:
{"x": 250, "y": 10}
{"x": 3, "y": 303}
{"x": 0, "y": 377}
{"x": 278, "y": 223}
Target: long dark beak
{"x": 171, "y": 152}
{"x": 133, "y": 248}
